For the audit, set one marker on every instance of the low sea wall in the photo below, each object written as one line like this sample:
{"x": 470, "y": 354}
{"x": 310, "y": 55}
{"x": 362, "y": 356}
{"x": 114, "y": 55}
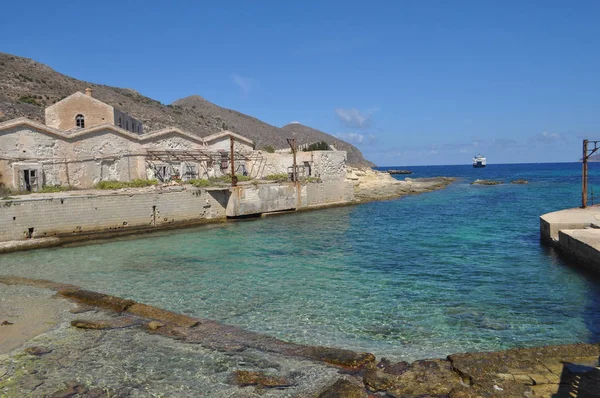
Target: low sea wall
{"x": 72, "y": 216}
{"x": 575, "y": 233}
{"x": 60, "y": 215}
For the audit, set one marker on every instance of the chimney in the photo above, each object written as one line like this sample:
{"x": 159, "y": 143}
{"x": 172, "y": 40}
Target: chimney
{"x": 88, "y": 92}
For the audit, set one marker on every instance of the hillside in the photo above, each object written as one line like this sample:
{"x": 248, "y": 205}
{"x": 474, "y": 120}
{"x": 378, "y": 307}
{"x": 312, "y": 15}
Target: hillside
{"x": 26, "y": 87}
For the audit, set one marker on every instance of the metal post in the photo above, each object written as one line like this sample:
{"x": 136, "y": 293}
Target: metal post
{"x": 584, "y": 175}
{"x": 295, "y": 164}
{"x": 292, "y": 144}
{"x": 233, "y": 177}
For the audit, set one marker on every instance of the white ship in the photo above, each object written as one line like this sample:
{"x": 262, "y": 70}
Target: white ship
{"x": 478, "y": 161}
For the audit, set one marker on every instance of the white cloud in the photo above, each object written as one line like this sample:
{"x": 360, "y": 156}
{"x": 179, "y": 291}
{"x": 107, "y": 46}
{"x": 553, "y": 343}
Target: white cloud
{"x": 245, "y": 84}
{"x": 354, "y": 118}
{"x": 356, "y": 138}
{"x": 295, "y": 122}
{"x": 547, "y": 137}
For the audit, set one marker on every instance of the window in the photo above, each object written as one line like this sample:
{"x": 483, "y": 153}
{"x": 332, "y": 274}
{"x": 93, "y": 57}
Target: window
{"x": 126, "y": 124}
{"x": 162, "y": 172}
{"x": 189, "y": 171}
{"x": 80, "y": 121}
{"x": 120, "y": 122}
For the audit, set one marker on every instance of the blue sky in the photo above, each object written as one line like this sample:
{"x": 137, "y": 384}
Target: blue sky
{"x": 408, "y": 82}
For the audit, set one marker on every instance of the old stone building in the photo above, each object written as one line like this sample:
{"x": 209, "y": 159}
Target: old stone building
{"x": 82, "y": 110}
{"x": 85, "y": 141}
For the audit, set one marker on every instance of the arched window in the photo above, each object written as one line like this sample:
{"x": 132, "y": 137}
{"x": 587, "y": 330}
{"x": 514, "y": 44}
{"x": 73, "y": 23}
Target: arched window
{"x": 80, "y": 121}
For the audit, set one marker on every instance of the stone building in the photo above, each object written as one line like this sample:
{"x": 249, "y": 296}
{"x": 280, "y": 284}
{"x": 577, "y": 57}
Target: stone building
{"x": 82, "y": 110}
{"x": 85, "y": 141}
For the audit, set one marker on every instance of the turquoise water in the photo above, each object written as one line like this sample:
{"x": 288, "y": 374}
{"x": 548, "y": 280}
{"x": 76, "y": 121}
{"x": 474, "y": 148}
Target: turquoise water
{"x": 460, "y": 269}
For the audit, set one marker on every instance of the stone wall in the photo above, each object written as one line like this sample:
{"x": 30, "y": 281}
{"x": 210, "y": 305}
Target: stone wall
{"x": 266, "y": 198}
{"x": 326, "y": 165}
{"x": 321, "y": 194}
{"x": 580, "y": 245}
{"x": 77, "y": 215}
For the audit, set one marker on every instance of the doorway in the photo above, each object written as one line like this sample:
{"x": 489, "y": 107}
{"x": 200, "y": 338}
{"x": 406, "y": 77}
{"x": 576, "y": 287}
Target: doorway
{"x": 29, "y": 180}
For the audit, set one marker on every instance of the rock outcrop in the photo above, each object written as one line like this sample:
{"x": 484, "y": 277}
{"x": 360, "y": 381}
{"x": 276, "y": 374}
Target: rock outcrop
{"x": 371, "y": 185}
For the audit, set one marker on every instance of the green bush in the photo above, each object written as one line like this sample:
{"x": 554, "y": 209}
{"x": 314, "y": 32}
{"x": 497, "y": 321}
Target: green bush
{"x": 200, "y": 183}
{"x": 269, "y": 149}
{"x": 29, "y": 100}
{"x": 319, "y": 146}
{"x": 137, "y": 183}
{"x": 55, "y": 188}
{"x": 281, "y": 177}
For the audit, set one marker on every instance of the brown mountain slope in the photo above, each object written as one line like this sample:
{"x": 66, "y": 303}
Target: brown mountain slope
{"x": 26, "y": 87}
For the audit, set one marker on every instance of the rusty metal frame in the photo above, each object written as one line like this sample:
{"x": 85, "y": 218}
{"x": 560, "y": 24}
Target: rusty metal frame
{"x": 587, "y": 152}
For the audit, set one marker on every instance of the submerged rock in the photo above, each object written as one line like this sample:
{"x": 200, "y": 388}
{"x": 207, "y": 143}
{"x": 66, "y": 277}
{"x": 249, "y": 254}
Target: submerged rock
{"x": 244, "y": 378}
{"x": 343, "y": 388}
{"x": 344, "y": 358}
{"x": 159, "y": 314}
{"x": 116, "y": 323}
{"x": 393, "y": 368}
{"x": 486, "y": 182}
{"x": 81, "y": 308}
{"x": 38, "y": 350}
{"x": 426, "y": 377}
{"x": 155, "y": 325}
{"x": 97, "y": 299}
{"x": 399, "y": 172}
{"x": 519, "y": 181}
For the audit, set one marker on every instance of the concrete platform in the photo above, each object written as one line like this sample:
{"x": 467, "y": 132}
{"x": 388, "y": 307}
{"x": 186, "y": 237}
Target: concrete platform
{"x": 575, "y": 233}
{"x": 576, "y": 218}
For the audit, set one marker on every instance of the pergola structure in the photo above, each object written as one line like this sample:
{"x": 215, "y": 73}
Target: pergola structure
{"x": 154, "y": 158}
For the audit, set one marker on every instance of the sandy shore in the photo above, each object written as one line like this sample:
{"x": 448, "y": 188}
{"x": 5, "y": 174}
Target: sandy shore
{"x": 26, "y": 312}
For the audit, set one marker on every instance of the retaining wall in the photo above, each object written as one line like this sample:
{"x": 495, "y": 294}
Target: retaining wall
{"x": 67, "y": 215}
{"x": 59, "y": 215}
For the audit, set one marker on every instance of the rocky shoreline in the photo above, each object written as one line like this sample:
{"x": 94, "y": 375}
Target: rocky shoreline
{"x": 106, "y": 346}
{"x": 372, "y": 185}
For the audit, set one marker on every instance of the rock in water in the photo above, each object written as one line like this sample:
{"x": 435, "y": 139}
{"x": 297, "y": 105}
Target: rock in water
{"x": 155, "y": 325}
{"x": 486, "y": 182}
{"x": 38, "y": 350}
{"x": 116, "y": 323}
{"x": 245, "y": 378}
{"x": 519, "y": 181}
{"x": 343, "y": 389}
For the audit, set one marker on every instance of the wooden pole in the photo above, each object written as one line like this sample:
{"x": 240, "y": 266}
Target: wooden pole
{"x": 584, "y": 175}
{"x": 233, "y": 177}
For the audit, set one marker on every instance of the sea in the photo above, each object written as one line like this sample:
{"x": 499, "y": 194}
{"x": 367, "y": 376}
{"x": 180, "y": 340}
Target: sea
{"x": 455, "y": 270}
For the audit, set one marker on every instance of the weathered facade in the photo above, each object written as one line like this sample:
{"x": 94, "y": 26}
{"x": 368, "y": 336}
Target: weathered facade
{"x": 85, "y": 141}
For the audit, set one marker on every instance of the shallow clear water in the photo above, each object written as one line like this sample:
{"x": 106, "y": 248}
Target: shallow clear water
{"x": 460, "y": 269}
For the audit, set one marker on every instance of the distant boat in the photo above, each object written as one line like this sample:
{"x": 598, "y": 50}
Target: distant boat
{"x": 478, "y": 161}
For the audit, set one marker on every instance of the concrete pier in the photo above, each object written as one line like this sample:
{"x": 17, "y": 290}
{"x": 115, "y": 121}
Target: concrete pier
{"x": 575, "y": 233}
